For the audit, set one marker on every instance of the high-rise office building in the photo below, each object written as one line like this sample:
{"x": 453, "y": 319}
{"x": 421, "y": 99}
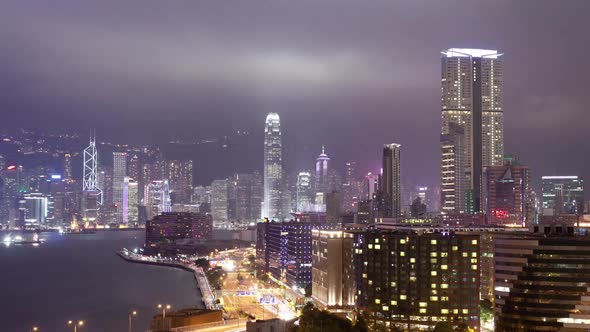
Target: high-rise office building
{"x": 180, "y": 175}
{"x": 371, "y": 185}
{"x": 321, "y": 173}
{"x": 352, "y": 188}
{"x": 172, "y": 226}
{"x": 130, "y": 201}
{"x": 563, "y": 195}
{"x": 244, "y": 197}
{"x": 273, "y": 168}
{"x": 305, "y": 197}
{"x": 507, "y": 194}
{"x": 219, "y": 201}
{"x": 157, "y": 198}
{"x": 332, "y": 269}
{"x": 35, "y": 209}
{"x": 68, "y": 175}
{"x": 391, "y": 188}
{"x": 472, "y": 91}
{"x": 333, "y": 207}
{"x": 542, "y": 280}
{"x": 119, "y": 174}
{"x": 417, "y": 279}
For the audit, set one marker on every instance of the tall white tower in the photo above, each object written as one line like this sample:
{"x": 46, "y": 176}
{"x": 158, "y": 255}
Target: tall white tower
{"x": 89, "y": 183}
{"x": 273, "y": 168}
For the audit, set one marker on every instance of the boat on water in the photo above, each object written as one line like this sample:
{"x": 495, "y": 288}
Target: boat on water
{"x": 19, "y": 240}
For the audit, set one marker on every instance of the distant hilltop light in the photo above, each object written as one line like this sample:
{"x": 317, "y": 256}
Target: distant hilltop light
{"x": 471, "y": 52}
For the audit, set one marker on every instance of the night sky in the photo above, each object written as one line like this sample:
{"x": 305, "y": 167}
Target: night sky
{"x": 348, "y": 74}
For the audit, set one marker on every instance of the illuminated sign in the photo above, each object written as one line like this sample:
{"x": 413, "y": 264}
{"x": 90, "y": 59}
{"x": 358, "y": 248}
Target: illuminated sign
{"x": 56, "y": 176}
{"x": 11, "y": 167}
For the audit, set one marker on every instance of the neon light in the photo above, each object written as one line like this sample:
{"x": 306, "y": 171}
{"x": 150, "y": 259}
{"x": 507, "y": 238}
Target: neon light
{"x": 11, "y": 167}
{"x": 560, "y": 177}
{"x": 471, "y": 52}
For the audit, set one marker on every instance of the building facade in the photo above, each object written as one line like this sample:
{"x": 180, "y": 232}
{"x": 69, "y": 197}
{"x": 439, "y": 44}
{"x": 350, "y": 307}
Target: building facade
{"x": 391, "y": 187}
{"x": 332, "y": 269}
{"x": 507, "y": 194}
{"x": 542, "y": 282}
{"x": 472, "y": 98}
{"x": 119, "y": 174}
{"x": 563, "y": 195}
{"x": 273, "y": 168}
{"x": 172, "y": 226}
{"x": 414, "y": 280}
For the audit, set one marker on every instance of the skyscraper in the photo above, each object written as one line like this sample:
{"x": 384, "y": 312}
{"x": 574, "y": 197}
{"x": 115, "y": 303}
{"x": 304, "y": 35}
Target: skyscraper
{"x": 391, "y": 180}
{"x": 321, "y": 173}
{"x": 563, "y": 195}
{"x": 119, "y": 173}
{"x": 180, "y": 175}
{"x": 472, "y": 89}
{"x": 273, "y": 168}
{"x": 157, "y": 198}
{"x": 304, "y": 192}
{"x": 219, "y": 202}
{"x": 68, "y": 166}
{"x": 454, "y": 181}
{"x": 507, "y": 194}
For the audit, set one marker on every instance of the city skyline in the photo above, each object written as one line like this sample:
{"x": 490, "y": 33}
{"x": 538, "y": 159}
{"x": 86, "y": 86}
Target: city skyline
{"x": 399, "y": 81}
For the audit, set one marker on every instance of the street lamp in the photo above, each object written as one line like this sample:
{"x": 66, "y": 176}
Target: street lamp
{"x": 131, "y": 315}
{"x": 80, "y": 323}
{"x": 164, "y": 308}
{"x": 34, "y": 329}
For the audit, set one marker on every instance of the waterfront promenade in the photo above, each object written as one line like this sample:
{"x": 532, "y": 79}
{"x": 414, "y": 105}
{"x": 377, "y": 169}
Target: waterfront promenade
{"x": 207, "y": 294}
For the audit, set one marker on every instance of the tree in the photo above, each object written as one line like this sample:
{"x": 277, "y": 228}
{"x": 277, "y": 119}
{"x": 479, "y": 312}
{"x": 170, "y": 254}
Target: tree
{"x": 486, "y": 310}
{"x": 202, "y": 263}
{"x": 443, "y": 327}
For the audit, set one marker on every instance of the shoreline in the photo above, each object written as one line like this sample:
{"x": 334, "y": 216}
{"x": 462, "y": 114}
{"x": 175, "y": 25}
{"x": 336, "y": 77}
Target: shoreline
{"x": 207, "y": 295}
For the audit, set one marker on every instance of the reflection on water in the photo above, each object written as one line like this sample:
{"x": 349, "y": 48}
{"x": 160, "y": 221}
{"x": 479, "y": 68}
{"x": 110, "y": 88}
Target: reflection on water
{"x": 79, "y": 277}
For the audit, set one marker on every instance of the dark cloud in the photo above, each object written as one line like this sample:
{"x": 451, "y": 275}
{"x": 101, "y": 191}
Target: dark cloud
{"x": 353, "y": 74}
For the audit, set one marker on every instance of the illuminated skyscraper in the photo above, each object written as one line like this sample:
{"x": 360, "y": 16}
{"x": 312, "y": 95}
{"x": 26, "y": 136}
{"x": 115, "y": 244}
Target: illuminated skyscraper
{"x": 563, "y": 195}
{"x": 391, "y": 180}
{"x": 68, "y": 166}
{"x": 304, "y": 192}
{"x": 507, "y": 194}
{"x": 92, "y": 195}
{"x": 119, "y": 174}
{"x": 321, "y": 173}
{"x": 472, "y": 90}
{"x": 130, "y": 201}
{"x": 180, "y": 174}
{"x": 273, "y": 168}
{"x": 219, "y": 202}
{"x": 454, "y": 181}
{"x": 157, "y": 198}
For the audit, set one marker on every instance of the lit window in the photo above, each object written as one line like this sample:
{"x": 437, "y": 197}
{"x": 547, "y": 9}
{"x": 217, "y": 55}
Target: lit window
{"x": 402, "y": 241}
{"x": 433, "y": 260}
{"x": 474, "y": 260}
{"x": 444, "y": 254}
{"x": 434, "y": 298}
{"x": 473, "y": 242}
{"x": 370, "y": 282}
{"x": 403, "y": 297}
{"x": 432, "y": 241}
{"x": 377, "y": 301}
{"x": 402, "y": 253}
{"x": 444, "y": 286}
{"x": 455, "y": 311}
{"x": 444, "y": 298}
{"x": 474, "y": 267}
{"x": 378, "y": 247}
{"x": 433, "y": 254}
{"x": 393, "y": 302}
{"x": 444, "y": 311}
{"x": 393, "y": 284}
{"x": 364, "y": 275}
{"x": 370, "y": 246}
{"x": 412, "y": 260}
{"x": 455, "y": 248}
{"x": 465, "y": 254}
{"x": 423, "y": 304}
{"x": 422, "y": 311}
{"x": 465, "y": 311}
{"x": 474, "y": 254}
{"x": 433, "y": 273}
{"x": 432, "y": 285}
{"x": 444, "y": 267}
